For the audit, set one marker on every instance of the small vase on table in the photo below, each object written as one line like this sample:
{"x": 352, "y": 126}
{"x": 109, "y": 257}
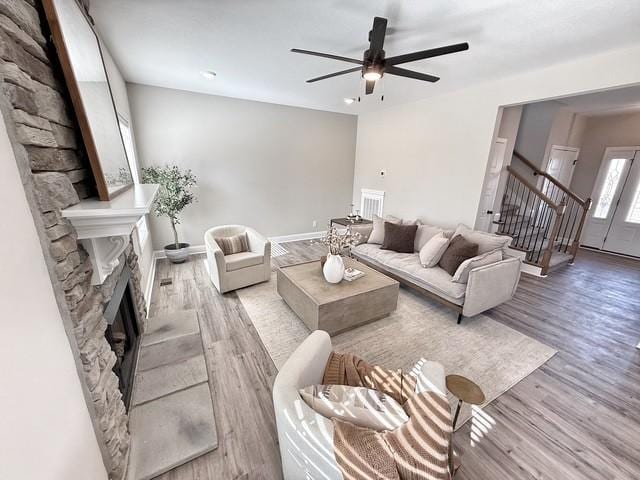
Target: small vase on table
{"x": 333, "y": 269}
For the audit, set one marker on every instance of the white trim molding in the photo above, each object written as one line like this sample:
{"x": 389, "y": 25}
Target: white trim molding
{"x": 297, "y": 236}
{"x": 192, "y": 250}
{"x": 104, "y": 228}
{"x": 148, "y": 288}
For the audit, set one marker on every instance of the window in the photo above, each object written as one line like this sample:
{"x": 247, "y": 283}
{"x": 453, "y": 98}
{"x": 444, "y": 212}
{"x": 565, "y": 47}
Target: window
{"x": 634, "y": 211}
{"x": 125, "y": 130}
{"x": 609, "y": 187}
{"x": 141, "y": 227}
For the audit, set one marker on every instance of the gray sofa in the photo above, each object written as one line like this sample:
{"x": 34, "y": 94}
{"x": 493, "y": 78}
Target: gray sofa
{"x": 487, "y": 285}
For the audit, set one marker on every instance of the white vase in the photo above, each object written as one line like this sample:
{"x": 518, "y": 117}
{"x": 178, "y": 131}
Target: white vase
{"x": 333, "y": 269}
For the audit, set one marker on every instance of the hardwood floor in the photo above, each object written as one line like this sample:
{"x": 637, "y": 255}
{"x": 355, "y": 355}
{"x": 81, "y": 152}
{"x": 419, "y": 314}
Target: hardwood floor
{"x": 576, "y": 417}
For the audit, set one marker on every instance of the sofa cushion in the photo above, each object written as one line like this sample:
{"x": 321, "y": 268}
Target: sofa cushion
{"x": 432, "y": 251}
{"x": 361, "y": 406}
{"x": 459, "y": 250}
{"x": 462, "y": 273}
{"x": 384, "y": 257}
{"x": 377, "y": 233}
{"x": 236, "y": 261}
{"x": 399, "y": 238}
{"x": 407, "y": 266}
{"x": 233, "y": 244}
{"x": 486, "y": 241}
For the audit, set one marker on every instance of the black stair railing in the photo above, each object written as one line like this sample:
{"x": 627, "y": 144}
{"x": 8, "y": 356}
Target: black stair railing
{"x": 542, "y": 216}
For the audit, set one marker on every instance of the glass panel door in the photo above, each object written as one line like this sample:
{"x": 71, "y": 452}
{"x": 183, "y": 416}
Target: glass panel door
{"x": 608, "y": 189}
{"x": 624, "y": 234}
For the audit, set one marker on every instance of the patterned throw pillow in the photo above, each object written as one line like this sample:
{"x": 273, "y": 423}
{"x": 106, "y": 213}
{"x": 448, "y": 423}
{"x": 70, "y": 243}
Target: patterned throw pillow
{"x": 235, "y": 244}
{"x": 361, "y": 406}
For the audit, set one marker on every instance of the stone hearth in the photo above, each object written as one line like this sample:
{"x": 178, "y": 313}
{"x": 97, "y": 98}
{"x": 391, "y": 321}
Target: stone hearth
{"x": 54, "y": 168}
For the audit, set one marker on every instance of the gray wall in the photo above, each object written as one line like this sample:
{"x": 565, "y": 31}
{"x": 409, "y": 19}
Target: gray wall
{"x": 535, "y": 125}
{"x": 272, "y": 167}
{"x": 600, "y": 133}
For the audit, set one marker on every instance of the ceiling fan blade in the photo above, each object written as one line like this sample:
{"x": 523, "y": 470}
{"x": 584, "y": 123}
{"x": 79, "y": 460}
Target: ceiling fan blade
{"x": 370, "y": 84}
{"x": 327, "y": 55}
{"x": 402, "y": 72}
{"x": 335, "y": 74}
{"x": 433, "y": 52}
{"x": 376, "y": 40}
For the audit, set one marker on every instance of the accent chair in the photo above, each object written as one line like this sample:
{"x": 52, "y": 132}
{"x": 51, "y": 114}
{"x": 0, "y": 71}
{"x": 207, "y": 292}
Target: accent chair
{"x": 230, "y": 272}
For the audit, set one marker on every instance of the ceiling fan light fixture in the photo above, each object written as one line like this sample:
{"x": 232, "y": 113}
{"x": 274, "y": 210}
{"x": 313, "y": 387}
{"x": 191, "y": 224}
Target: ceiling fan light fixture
{"x": 372, "y": 75}
{"x": 208, "y": 74}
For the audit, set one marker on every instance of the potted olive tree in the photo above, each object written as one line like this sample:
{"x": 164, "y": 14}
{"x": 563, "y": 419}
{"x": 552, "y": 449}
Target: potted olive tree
{"x": 173, "y": 196}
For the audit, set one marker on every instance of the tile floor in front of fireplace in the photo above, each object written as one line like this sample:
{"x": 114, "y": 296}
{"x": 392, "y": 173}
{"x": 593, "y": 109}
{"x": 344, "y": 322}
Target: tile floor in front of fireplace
{"x": 573, "y": 418}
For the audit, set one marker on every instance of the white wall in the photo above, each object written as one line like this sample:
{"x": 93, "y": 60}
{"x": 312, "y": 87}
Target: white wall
{"x": 272, "y": 167}
{"x": 436, "y": 150}
{"x": 121, "y": 100}
{"x": 622, "y": 130}
{"x": 508, "y": 129}
{"x": 45, "y": 428}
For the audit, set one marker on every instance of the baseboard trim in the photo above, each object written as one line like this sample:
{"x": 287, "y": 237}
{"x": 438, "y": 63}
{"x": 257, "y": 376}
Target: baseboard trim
{"x": 297, "y": 237}
{"x": 148, "y": 288}
{"x": 607, "y": 252}
{"x": 532, "y": 270}
{"x": 192, "y": 250}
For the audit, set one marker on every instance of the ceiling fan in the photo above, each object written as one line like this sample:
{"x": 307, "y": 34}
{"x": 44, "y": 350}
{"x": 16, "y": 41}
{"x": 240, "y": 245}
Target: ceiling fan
{"x": 374, "y": 64}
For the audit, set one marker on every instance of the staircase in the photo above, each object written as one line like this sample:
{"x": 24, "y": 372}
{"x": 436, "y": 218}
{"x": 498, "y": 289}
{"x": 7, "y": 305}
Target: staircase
{"x": 543, "y": 216}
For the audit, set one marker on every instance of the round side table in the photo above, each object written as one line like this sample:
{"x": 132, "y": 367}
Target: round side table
{"x": 466, "y": 392}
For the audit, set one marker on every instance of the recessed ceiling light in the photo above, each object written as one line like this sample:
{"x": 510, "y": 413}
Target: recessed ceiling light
{"x": 349, "y": 100}
{"x": 208, "y": 74}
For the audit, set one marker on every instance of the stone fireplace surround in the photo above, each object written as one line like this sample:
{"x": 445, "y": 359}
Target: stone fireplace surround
{"x": 53, "y": 165}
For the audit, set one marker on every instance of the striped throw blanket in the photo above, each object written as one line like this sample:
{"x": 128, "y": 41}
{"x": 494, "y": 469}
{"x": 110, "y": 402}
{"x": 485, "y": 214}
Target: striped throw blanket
{"x": 417, "y": 450}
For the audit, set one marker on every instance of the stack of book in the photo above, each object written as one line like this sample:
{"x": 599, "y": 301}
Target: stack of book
{"x": 351, "y": 274}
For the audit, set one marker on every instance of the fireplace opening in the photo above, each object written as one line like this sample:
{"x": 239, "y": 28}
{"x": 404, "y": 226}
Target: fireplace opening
{"x": 122, "y": 333}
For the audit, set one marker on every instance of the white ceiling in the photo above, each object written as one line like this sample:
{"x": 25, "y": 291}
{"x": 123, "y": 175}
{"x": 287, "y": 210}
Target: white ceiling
{"x": 167, "y": 43}
{"x": 610, "y": 102}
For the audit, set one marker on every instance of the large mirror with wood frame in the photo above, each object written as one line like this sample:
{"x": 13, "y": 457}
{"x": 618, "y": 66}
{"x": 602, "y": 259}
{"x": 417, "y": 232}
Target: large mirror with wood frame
{"x": 82, "y": 62}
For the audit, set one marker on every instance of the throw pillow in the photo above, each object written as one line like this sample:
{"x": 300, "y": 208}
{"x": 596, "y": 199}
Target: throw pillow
{"x": 432, "y": 251}
{"x": 487, "y": 242}
{"x": 427, "y": 232}
{"x": 234, "y": 244}
{"x": 462, "y": 273}
{"x": 377, "y": 233}
{"x": 458, "y": 251}
{"x": 361, "y": 406}
{"x": 399, "y": 238}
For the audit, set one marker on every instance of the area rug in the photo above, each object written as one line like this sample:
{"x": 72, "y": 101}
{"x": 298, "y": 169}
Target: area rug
{"x": 491, "y": 354}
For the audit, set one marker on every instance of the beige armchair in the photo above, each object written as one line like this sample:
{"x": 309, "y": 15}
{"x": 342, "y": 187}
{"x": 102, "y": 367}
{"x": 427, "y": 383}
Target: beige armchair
{"x": 238, "y": 270}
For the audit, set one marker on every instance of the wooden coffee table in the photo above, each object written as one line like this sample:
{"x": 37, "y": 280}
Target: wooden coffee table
{"x": 336, "y": 307}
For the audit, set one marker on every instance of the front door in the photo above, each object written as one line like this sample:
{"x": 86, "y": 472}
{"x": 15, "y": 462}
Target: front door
{"x": 624, "y": 234}
{"x": 614, "y": 220}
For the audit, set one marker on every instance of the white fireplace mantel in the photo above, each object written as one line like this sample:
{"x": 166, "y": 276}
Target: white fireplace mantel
{"x": 104, "y": 227}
